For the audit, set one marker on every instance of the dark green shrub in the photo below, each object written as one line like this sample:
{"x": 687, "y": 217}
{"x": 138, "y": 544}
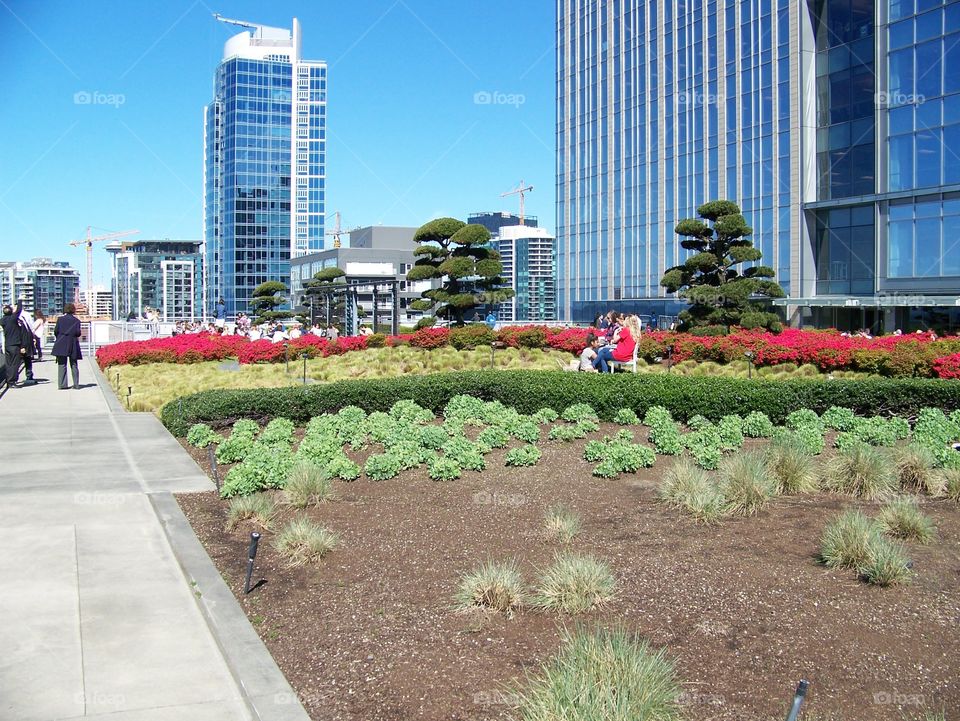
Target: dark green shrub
{"x": 529, "y": 391}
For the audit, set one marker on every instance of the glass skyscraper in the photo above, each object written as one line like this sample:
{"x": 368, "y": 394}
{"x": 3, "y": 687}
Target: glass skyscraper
{"x": 264, "y": 163}
{"x": 833, "y": 123}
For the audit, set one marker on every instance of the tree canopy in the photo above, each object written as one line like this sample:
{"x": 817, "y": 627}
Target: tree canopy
{"x": 720, "y": 293}
{"x": 458, "y": 255}
{"x": 265, "y": 298}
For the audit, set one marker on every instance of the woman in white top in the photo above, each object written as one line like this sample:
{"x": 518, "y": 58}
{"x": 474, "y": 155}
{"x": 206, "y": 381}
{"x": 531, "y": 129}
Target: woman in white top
{"x": 39, "y": 332}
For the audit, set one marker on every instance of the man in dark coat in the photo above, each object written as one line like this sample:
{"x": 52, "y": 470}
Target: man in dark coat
{"x": 66, "y": 346}
{"x": 15, "y": 348}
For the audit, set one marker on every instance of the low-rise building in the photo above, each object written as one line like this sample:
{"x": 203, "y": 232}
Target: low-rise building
{"x": 166, "y": 275}
{"x": 376, "y": 254}
{"x": 44, "y": 284}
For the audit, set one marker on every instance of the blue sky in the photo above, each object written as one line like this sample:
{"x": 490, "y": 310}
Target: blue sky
{"x": 407, "y": 138}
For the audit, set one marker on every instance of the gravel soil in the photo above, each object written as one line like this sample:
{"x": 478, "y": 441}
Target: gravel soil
{"x": 742, "y": 607}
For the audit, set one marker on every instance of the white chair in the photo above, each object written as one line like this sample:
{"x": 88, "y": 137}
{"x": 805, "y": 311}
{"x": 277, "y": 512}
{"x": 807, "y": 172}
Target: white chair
{"x": 632, "y": 364}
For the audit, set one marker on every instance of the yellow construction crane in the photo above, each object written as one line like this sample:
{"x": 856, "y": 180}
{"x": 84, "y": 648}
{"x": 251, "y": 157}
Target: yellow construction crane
{"x": 337, "y": 230}
{"x": 89, "y": 241}
{"x": 520, "y": 190}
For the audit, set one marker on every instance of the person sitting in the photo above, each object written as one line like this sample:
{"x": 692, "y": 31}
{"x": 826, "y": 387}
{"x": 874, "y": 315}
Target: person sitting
{"x": 295, "y": 332}
{"x": 621, "y": 350}
{"x": 614, "y": 323}
{"x": 589, "y": 354}
{"x": 279, "y": 335}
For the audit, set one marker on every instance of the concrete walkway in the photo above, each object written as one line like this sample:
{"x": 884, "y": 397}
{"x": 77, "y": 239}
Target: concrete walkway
{"x": 98, "y": 619}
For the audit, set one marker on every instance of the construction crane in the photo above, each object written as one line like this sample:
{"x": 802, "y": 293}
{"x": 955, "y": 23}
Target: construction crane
{"x": 230, "y": 21}
{"x": 89, "y": 241}
{"x": 520, "y": 190}
{"x": 337, "y": 230}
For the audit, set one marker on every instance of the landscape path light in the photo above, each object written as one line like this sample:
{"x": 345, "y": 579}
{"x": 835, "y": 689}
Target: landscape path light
{"x": 251, "y": 556}
{"x": 798, "y": 700}
{"x": 749, "y": 356}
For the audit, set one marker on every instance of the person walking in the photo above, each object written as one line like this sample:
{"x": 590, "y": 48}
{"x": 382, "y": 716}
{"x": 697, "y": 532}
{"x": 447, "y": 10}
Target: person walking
{"x": 13, "y": 351}
{"x": 66, "y": 346}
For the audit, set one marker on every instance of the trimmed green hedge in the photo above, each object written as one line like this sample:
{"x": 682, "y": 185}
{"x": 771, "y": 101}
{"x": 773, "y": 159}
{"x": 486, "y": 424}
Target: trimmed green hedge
{"x": 529, "y": 391}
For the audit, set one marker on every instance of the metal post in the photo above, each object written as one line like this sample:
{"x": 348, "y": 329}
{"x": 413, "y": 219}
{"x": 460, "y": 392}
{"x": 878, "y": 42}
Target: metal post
{"x": 376, "y": 314}
{"x": 129, "y": 393}
{"x": 251, "y": 555}
{"x": 798, "y": 700}
{"x": 749, "y": 355}
{"x": 286, "y": 351}
{"x": 305, "y": 353}
{"x": 395, "y": 325}
{"x": 214, "y": 471}
{"x": 669, "y": 358}
{"x": 491, "y": 356}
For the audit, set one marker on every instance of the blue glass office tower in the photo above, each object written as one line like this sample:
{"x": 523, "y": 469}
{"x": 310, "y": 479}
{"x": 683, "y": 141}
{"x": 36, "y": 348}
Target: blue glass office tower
{"x": 833, "y": 123}
{"x": 264, "y": 164}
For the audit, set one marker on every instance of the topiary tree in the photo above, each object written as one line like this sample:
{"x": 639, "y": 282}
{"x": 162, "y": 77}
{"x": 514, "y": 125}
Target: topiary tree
{"x": 457, "y": 253}
{"x": 319, "y": 289}
{"x": 265, "y": 298}
{"x": 719, "y": 294}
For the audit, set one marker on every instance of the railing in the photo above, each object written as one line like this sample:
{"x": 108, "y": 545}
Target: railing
{"x": 97, "y": 333}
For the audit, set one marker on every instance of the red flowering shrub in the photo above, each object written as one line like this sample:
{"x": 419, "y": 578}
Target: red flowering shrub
{"x": 430, "y": 338}
{"x": 947, "y": 366}
{"x": 901, "y": 356}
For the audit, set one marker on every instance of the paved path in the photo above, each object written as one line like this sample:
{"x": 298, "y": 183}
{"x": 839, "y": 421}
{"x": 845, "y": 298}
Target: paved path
{"x": 97, "y": 619}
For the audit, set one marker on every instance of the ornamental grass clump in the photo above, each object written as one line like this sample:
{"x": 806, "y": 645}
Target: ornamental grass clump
{"x": 561, "y": 523}
{"x": 746, "y": 483}
{"x": 307, "y": 485}
{"x": 902, "y": 518}
{"x": 574, "y": 584}
{"x": 603, "y": 675}
{"x": 687, "y": 487}
{"x": 888, "y": 564}
{"x": 792, "y": 468}
{"x": 260, "y": 508}
{"x": 861, "y": 471}
{"x": 951, "y": 484}
{"x": 492, "y": 587}
{"x": 303, "y": 541}
{"x": 201, "y": 435}
{"x": 848, "y": 541}
{"x": 915, "y": 470}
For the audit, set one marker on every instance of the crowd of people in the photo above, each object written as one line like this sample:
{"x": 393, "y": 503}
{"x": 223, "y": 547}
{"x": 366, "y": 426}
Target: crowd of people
{"x": 23, "y": 336}
{"x": 268, "y": 330}
{"x": 614, "y": 338}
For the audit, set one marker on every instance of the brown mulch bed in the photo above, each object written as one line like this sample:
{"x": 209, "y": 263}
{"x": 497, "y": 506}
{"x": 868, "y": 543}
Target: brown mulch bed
{"x": 743, "y": 607}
